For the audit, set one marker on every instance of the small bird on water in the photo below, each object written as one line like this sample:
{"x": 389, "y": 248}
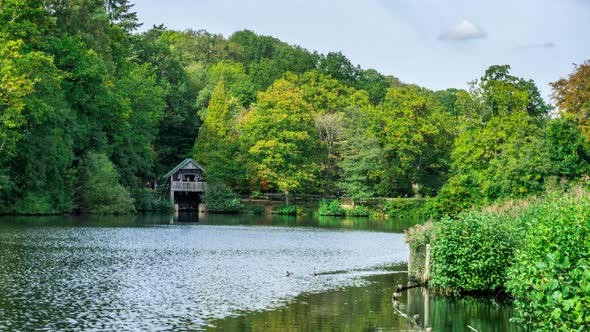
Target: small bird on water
{"x": 289, "y": 274}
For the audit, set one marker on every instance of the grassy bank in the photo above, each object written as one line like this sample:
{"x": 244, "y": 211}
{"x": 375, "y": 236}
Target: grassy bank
{"x": 536, "y": 250}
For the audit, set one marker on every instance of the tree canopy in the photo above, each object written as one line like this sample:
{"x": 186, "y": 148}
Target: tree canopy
{"x": 79, "y": 86}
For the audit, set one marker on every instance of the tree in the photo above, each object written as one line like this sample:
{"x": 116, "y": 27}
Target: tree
{"x": 374, "y": 83}
{"x": 15, "y": 85}
{"x": 416, "y": 134}
{"x": 448, "y": 99}
{"x": 497, "y": 82}
{"x": 567, "y": 150}
{"x": 329, "y": 127}
{"x": 572, "y": 96}
{"x": 360, "y": 153}
{"x": 144, "y": 101}
{"x": 99, "y": 188}
{"x": 179, "y": 125}
{"x": 201, "y": 47}
{"x": 279, "y": 136}
{"x": 217, "y": 146}
{"x": 499, "y": 151}
{"x": 120, "y": 14}
{"x": 339, "y": 67}
{"x": 328, "y": 99}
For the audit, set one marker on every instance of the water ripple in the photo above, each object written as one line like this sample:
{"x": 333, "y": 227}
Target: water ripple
{"x": 173, "y": 277}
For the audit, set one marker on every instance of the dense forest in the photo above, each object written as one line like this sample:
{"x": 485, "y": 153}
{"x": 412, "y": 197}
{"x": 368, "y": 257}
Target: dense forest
{"x": 91, "y": 110}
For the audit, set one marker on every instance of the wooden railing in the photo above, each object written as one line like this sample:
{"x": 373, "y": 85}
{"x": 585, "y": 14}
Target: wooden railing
{"x": 189, "y": 186}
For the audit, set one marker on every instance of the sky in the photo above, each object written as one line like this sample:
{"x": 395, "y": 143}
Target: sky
{"x": 437, "y": 44}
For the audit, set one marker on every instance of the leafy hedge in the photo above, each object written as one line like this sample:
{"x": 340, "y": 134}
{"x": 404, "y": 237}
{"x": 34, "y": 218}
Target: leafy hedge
{"x": 256, "y": 210}
{"x": 550, "y": 277}
{"x": 472, "y": 252}
{"x": 537, "y": 250}
{"x": 359, "y": 211}
{"x": 331, "y": 208}
{"x": 221, "y": 199}
{"x": 334, "y": 208}
{"x": 150, "y": 200}
{"x": 288, "y": 210}
{"x": 403, "y": 207}
{"x": 100, "y": 191}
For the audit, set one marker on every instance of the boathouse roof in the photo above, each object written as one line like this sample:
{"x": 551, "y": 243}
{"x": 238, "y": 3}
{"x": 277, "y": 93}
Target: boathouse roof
{"x": 184, "y": 164}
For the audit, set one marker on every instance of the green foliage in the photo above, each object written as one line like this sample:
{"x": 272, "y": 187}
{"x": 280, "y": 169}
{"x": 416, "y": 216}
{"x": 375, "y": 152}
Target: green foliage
{"x": 279, "y": 137}
{"x": 566, "y": 149}
{"x": 416, "y": 158}
{"x": 572, "y": 95}
{"x": 152, "y": 201}
{"x": 472, "y": 252}
{"x": 288, "y": 210}
{"x": 15, "y": 85}
{"x": 219, "y": 198}
{"x": 254, "y": 210}
{"x": 360, "y": 153}
{"x": 500, "y": 151}
{"x": 100, "y": 191}
{"x": 359, "y": 211}
{"x": 260, "y": 114}
{"x": 339, "y": 67}
{"x": 537, "y": 250}
{"x": 550, "y": 276}
{"x": 458, "y": 194}
{"x": 403, "y": 207}
{"x": 217, "y": 145}
{"x": 331, "y": 208}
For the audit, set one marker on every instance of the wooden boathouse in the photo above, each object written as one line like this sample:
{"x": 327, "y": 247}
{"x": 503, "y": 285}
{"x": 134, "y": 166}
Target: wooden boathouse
{"x": 186, "y": 183}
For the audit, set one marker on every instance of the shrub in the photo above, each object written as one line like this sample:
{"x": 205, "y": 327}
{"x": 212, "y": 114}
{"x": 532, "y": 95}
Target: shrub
{"x": 100, "y": 190}
{"x": 256, "y": 210}
{"x": 35, "y": 203}
{"x": 331, "y": 208}
{"x": 458, "y": 194}
{"x": 359, "y": 211}
{"x": 537, "y": 250}
{"x": 288, "y": 210}
{"x": 149, "y": 200}
{"x": 403, "y": 207}
{"x": 550, "y": 277}
{"x": 472, "y": 252}
{"x": 219, "y": 198}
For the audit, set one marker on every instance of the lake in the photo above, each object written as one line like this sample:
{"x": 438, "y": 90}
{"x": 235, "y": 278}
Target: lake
{"x": 231, "y": 273}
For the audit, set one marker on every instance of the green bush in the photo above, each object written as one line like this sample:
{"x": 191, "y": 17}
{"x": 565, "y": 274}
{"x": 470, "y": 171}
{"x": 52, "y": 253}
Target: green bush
{"x": 287, "y": 210}
{"x": 256, "y": 210}
{"x": 458, "y": 194}
{"x": 331, "y": 208}
{"x": 538, "y": 250}
{"x": 35, "y": 203}
{"x": 472, "y": 252}
{"x": 100, "y": 190}
{"x": 403, "y": 207}
{"x": 359, "y": 211}
{"x": 152, "y": 201}
{"x": 219, "y": 198}
{"x": 550, "y": 277}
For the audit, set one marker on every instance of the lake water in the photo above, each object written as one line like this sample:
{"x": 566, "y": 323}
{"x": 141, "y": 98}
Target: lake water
{"x": 231, "y": 273}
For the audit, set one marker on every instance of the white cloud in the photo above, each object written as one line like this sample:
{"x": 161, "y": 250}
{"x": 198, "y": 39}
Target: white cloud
{"x": 464, "y": 30}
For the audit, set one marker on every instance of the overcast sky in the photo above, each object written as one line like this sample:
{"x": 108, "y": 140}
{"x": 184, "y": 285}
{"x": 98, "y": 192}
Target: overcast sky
{"x": 434, "y": 43}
